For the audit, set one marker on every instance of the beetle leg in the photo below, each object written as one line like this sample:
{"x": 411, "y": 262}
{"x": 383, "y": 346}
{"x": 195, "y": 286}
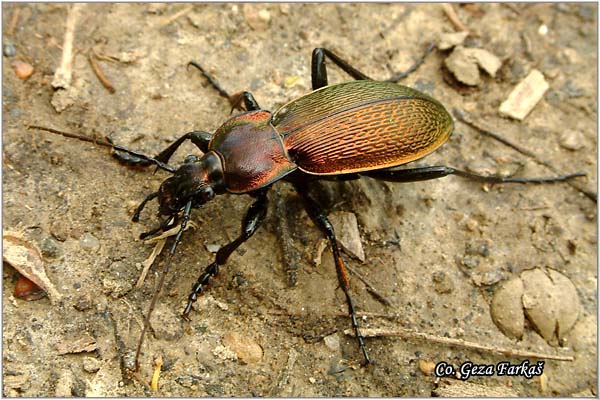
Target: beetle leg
{"x": 319, "y": 70}
{"x": 435, "y": 172}
{"x": 199, "y": 138}
{"x": 236, "y": 99}
{"x": 414, "y": 67}
{"x": 317, "y": 214}
{"x": 138, "y": 210}
{"x": 254, "y": 217}
{"x": 164, "y": 226}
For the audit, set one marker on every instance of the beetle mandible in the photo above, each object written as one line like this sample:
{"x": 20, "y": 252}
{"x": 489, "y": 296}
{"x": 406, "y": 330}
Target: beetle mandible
{"x": 341, "y": 131}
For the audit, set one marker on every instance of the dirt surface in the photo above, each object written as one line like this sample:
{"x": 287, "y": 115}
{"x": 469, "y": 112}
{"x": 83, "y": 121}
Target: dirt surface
{"x": 251, "y": 334}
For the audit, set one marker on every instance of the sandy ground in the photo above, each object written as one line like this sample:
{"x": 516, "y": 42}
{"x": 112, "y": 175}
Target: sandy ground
{"x": 252, "y": 334}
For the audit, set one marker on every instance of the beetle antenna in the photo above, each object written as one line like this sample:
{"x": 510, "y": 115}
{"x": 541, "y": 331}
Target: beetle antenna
{"x": 186, "y": 216}
{"x": 106, "y": 143}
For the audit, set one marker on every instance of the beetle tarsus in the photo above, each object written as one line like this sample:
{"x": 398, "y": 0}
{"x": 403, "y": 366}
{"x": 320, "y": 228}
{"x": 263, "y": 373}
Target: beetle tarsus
{"x": 415, "y": 66}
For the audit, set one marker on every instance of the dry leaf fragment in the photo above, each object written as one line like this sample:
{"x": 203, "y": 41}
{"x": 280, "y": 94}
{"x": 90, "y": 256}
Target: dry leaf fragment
{"x": 26, "y": 258}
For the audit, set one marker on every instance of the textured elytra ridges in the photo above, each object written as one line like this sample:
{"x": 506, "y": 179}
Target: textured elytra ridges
{"x": 329, "y": 100}
{"x": 379, "y": 134}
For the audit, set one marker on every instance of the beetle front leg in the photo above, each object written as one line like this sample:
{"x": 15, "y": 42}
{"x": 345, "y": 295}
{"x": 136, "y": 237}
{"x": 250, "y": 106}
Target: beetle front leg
{"x": 200, "y": 138}
{"x": 254, "y": 217}
{"x": 317, "y": 214}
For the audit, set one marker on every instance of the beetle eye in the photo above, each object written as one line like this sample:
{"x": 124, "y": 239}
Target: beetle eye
{"x": 208, "y": 193}
{"x": 190, "y": 159}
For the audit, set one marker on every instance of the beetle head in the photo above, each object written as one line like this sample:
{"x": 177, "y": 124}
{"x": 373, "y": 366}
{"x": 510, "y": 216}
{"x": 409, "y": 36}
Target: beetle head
{"x": 197, "y": 180}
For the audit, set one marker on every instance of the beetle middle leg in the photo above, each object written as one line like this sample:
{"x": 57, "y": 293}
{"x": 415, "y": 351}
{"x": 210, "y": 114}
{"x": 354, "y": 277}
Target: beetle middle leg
{"x": 253, "y": 219}
{"x": 237, "y": 99}
{"x": 317, "y": 214}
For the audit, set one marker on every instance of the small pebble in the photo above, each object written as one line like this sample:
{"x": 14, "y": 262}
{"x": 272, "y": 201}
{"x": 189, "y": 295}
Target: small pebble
{"x": 224, "y": 353}
{"x": 91, "y": 364}
{"x": 571, "y": 140}
{"x": 212, "y": 247}
{"x": 50, "y": 247}
{"x": 486, "y": 275}
{"x": 332, "y": 342}
{"x": 463, "y": 67}
{"x": 89, "y": 242}
{"x": 551, "y": 302}
{"x": 449, "y": 40}
{"x": 9, "y": 50}
{"x": 65, "y": 384}
{"x": 347, "y": 233}
{"x": 427, "y": 367}
{"x": 543, "y": 30}
{"x": 23, "y": 70}
{"x": 257, "y": 19}
{"x": 477, "y": 249}
{"x": 245, "y": 348}
{"x": 442, "y": 283}
{"x": 507, "y": 309}
{"x": 470, "y": 261}
{"x": 83, "y": 302}
{"x": 166, "y": 323}
{"x": 185, "y": 381}
{"x": 525, "y": 96}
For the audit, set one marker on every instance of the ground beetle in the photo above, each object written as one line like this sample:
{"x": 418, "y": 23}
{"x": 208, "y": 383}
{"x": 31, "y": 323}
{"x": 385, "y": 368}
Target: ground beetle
{"x": 336, "y": 132}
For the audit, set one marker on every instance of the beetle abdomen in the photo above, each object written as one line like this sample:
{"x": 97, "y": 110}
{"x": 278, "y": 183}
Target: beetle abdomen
{"x": 385, "y": 126}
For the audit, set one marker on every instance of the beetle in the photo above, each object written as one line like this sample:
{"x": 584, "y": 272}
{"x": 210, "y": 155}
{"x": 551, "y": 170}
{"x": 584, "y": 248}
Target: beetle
{"x": 342, "y": 131}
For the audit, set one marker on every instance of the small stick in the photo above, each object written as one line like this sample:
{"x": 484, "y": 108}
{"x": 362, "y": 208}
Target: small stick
{"x": 157, "y": 366}
{"x": 138, "y": 377}
{"x": 175, "y": 16}
{"x": 63, "y": 74}
{"x": 284, "y": 377}
{"x": 406, "y": 334}
{"x": 370, "y": 287}
{"x": 462, "y": 116}
{"x": 96, "y": 68}
{"x": 14, "y": 19}
{"x": 160, "y": 244}
{"x": 147, "y": 263}
{"x": 453, "y": 17}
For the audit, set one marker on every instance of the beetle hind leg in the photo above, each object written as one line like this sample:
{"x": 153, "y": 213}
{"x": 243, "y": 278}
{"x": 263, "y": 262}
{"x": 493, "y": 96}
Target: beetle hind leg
{"x": 317, "y": 214}
{"x": 440, "y": 171}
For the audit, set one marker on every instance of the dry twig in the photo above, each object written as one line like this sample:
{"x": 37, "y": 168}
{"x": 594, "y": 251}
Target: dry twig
{"x": 406, "y": 334}
{"x": 453, "y": 17}
{"x": 14, "y": 19}
{"x": 96, "y": 68}
{"x": 370, "y": 287}
{"x": 173, "y": 17}
{"x": 64, "y": 73}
